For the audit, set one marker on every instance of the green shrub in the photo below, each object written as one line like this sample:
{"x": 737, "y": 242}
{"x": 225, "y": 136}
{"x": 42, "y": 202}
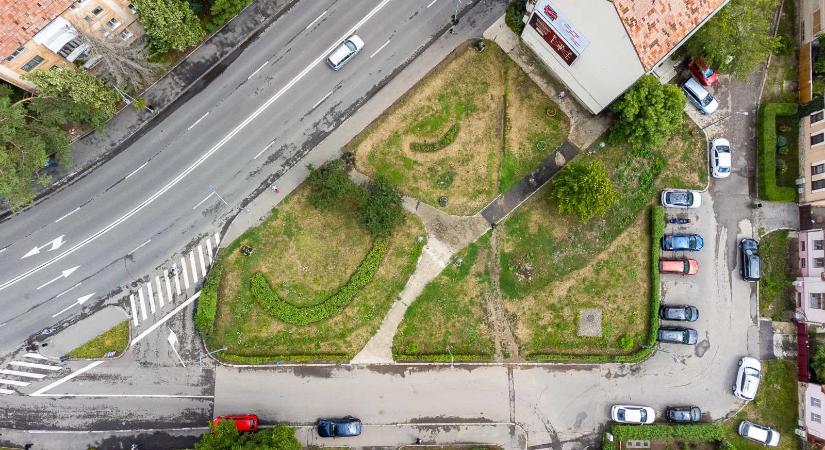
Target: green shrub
{"x": 330, "y": 186}
{"x": 706, "y": 432}
{"x": 268, "y": 299}
{"x": 382, "y": 210}
{"x": 431, "y": 147}
{"x": 766, "y": 148}
{"x": 626, "y": 343}
{"x": 223, "y": 10}
{"x": 515, "y": 11}
{"x": 208, "y": 300}
{"x": 724, "y": 444}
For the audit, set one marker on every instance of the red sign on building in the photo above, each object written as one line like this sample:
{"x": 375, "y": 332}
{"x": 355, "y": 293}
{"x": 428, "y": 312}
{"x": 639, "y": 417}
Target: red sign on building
{"x": 552, "y": 39}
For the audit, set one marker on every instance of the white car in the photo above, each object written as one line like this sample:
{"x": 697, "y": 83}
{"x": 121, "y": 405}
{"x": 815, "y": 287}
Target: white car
{"x": 677, "y": 198}
{"x": 344, "y": 52}
{"x": 720, "y": 158}
{"x": 747, "y": 378}
{"x": 758, "y": 433}
{"x": 632, "y": 414}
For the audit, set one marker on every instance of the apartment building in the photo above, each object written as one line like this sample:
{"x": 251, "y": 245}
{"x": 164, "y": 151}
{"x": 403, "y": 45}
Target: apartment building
{"x": 810, "y": 285}
{"x": 42, "y": 34}
{"x": 811, "y": 181}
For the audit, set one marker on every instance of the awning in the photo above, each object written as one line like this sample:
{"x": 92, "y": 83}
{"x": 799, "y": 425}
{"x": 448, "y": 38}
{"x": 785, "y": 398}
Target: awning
{"x": 803, "y": 372}
{"x": 56, "y": 34}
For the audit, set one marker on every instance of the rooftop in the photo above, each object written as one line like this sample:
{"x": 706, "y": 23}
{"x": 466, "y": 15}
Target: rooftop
{"x": 22, "y": 19}
{"x": 657, "y": 26}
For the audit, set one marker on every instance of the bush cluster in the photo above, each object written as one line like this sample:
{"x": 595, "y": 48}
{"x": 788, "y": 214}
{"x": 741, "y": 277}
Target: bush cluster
{"x": 268, "y": 299}
{"x": 657, "y": 230}
{"x": 766, "y": 151}
{"x": 431, "y": 147}
{"x": 515, "y": 11}
{"x": 208, "y": 301}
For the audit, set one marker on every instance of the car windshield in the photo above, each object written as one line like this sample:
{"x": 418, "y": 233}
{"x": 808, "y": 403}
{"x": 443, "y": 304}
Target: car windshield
{"x": 351, "y": 46}
{"x": 723, "y": 149}
{"x": 620, "y": 414}
{"x": 707, "y": 72}
{"x": 706, "y": 101}
{"x": 723, "y": 169}
{"x": 692, "y": 240}
{"x": 643, "y": 415}
{"x": 751, "y": 372}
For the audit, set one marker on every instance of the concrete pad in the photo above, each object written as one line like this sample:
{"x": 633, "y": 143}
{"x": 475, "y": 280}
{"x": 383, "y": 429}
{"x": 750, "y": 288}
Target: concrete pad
{"x": 590, "y": 322}
{"x": 83, "y": 331}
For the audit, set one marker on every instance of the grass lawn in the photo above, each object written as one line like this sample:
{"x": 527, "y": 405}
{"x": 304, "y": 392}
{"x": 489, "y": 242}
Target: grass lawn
{"x": 781, "y": 84}
{"x": 776, "y": 294}
{"x": 305, "y": 255}
{"x": 114, "y": 340}
{"x": 469, "y": 130}
{"x": 775, "y": 406}
{"x": 791, "y": 157}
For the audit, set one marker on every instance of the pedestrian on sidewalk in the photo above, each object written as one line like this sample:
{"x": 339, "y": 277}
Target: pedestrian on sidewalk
{"x": 275, "y": 189}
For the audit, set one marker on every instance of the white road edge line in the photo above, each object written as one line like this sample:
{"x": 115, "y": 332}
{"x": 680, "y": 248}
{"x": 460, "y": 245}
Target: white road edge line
{"x": 200, "y": 160}
{"x": 58, "y": 220}
{"x": 160, "y": 322}
{"x": 139, "y": 247}
{"x": 68, "y": 377}
{"x": 322, "y": 100}
{"x": 316, "y": 19}
{"x": 115, "y": 396}
{"x": 257, "y": 70}
{"x": 380, "y": 48}
{"x": 205, "y": 199}
{"x": 197, "y": 121}
{"x": 432, "y": 3}
{"x": 136, "y": 170}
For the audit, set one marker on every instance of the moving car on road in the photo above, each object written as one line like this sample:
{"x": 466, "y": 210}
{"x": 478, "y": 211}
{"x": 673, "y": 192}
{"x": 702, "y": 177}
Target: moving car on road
{"x": 682, "y": 266}
{"x": 677, "y": 198}
{"x": 678, "y": 335}
{"x": 243, "y": 422}
{"x": 344, "y": 52}
{"x": 677, "y": 242}
{"x": 343, "y": 427}
{"x": 632, "y": 414}
{"x": 747, "y": 378}
{"x": 683, "y": 414}
{"x": 750, "y": 264}
{"x": 700, "y": 97}
{"x": 703, "y": 72}
{"x": 682, "y": 313}
{"x": 758, "y": 433}
{"x": 720, "y": 158}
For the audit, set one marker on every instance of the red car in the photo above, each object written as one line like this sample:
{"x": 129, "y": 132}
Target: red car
{"x": 244, "y": 422}
{"x": 703, "y": 72}
{"x": 682, "y": 266}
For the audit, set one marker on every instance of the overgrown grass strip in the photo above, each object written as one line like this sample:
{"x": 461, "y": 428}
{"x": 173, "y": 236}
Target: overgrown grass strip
{"x": 705, "y": 432}
{"x": 766, "y": 151}
{"x": 431, "y": 147}
{"x": 208, "y": 301}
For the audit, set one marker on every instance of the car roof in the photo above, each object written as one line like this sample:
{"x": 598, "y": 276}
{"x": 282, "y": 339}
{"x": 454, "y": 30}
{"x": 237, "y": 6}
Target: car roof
{"x": 724, "y": 159}
{"x": 696, "y": 88}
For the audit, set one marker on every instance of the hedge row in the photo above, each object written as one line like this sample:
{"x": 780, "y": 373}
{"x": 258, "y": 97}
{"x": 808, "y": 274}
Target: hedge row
{"x": 208, "y": 300}
{"x": 443, "y": 357}
{"x": 275, "y": 359}
{"x": 766, "y": 151}
{"x": 698, "y": 432}
{"x": 430, "y": 147}
{"x": 268, "y": 299}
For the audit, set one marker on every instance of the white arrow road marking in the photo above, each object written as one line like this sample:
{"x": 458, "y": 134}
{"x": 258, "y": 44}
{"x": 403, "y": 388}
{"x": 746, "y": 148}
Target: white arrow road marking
{"x": 55, "y": 244}
{"x": 64, "y": 274}
{"x": 80, "y": 301}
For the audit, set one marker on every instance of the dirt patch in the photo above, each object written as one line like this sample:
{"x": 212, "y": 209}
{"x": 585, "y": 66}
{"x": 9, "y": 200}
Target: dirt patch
{"x": 506, "y": 347}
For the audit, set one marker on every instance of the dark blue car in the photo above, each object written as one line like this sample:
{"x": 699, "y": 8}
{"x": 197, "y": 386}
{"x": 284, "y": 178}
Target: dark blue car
{"x": 676, "y": 242}
{"x": 343, "y": 427}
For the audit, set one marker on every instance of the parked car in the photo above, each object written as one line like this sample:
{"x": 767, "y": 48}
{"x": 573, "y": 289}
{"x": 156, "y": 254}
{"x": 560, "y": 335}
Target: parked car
{"x": 243, "y": 422}
{"x": 747, "y": 378}
{"x": 758, "y": 433}
{"x": 750, "y": 266}
{"x": 677, "y": 198}
{"x": 676, "y": 242}
{"x": 632, "y": 414}
{"x": 678, "y": 335}
{"x": 682, "y": 266}
{"x": 700, "y": 97}
{"x": 703, "y": 72}
{"x": 683, "y": 414}
{"x": 682, "y": 313}
{"x": 344, "y": 52}
{"x": 720, "y": 158}
{"x": 343, "y": 427}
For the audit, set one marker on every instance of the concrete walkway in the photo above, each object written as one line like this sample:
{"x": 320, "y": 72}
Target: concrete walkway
{"x": 776, "y": 216}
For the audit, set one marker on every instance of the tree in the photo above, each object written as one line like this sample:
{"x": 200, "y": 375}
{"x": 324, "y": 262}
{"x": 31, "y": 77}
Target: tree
{"x": 382, "y": 210}
{"x": 737, "y": 38}
{"x": 70, "y": 94}
{"x": 223, "y": 10}
{"x": 120, "y": 63}
{"x": 584, "y": 190}
{"x": 224, "y": 436}
{"x": 330, "y": 186}
{"x": 818, "y": 363}
{"x": 648, "y": 113}
{"x": 170, "y": 24}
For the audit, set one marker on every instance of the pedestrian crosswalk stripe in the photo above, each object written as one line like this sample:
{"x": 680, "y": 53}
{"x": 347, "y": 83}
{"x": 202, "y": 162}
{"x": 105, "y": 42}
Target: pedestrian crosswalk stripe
{"x": 34, "y": 365}
{"x": 194, "y": 272}
{"x": 209, "y": 250}
{"x": 177, "y": 280}
{"x": 142, "y": 305}
{"x": 150, "y": 296}
{"x": 14, "y": 382}
{"x": 6, "y": 391}
{"x": 200, "y": 259}
{"x": 217, "y": 240}
{"x": 17, "y": 373}
{"x": 168, "y": 286}
{"x": 134, "y": 310}
{"x": 35, "y": 356}
{"x": 160, "y": 291}
{"x": 185, "y": 274}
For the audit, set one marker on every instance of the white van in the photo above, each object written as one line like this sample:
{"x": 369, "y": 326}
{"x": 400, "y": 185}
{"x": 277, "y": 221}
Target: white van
{"x": 344, "y": 52}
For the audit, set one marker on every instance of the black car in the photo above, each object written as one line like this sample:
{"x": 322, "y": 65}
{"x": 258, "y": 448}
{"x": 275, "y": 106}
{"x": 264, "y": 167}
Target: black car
{"x": 343, "y": 427}
{"x": 682, "y": 313}
{"x": 750, "y": 266}
{"x": 676, "y": 242}
{"x": 678, "y": 335}
{"x": 683, "y": 414}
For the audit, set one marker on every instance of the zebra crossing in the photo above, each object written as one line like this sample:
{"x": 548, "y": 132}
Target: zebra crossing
{"x": 161, "y": 291}
{"x": 23, "y": 372}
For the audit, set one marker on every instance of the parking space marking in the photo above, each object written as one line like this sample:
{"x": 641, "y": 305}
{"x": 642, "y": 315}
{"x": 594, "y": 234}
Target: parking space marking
{"x": 18, "y": 373}
{"x": 200, "y": 259}
{"x": 209, "y": 250}
{"x": 34, "y": 365}
{"x": 177, "y": 279}
{"x": 134, "y": 310}
{"x": 194, "y": 272}
{"x": 142, "y": 305}
{"x": 185, "y": 274}
{"x": 150, "y": 296}
{"x": 168, "y": 286}
{"x": 14, "y": 382}
{"x": 160, "y": 292}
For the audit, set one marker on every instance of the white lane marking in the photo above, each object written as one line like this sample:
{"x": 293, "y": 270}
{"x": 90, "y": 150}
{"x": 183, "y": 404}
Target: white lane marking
{"x": 432, "y": 3}
{"x": 194, "y": 271}
{"x": 35, "y": 365}
{"x": 380, "y": 48}
{"x": 160, "y": 292}
{"x": 316, "y": 19}
{"x": 150, "y": 296}
{"x": 54, "y": 243}
{"x": 68, "y": 377}
{"x": 209, "y": 250}
{"x": 142, "y": 303}
{"x": 205, "y": 397}
{"x": 164, "y": 319}
{"x": 4, "y": 249}
{"x": 205, "y": 199}
{"x": 67, "y": 290}
{"x": 80, "y": 301}
{"x": 67, "y": 214}
{"x": 139, "y": 247}
{"x": 177, "y": 280}
{"x": 257, "y": 70}
{"x": 168, "y": 286}
{"x": 197, "y": 121}
{"x": 64, "y": 274}
{"x": 322, "y": 100}
{"x": 200, "y": 259}
{"x": 14, "y": 383}
{"x": 264, "y": 149}
{"x": 35, "y": 356}
{"x": 134, "y": 310}
{"x": 136, "y": 170}
{"x": 217, "y": 240}
{"x": 18, "y": 373}
{"x": 6, "y": 391}
{"x": 238, "y": 128}
{"x": 185, "y": 273}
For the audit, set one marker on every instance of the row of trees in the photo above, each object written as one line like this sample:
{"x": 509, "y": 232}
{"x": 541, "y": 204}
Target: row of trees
{"x": 224, "y": 436}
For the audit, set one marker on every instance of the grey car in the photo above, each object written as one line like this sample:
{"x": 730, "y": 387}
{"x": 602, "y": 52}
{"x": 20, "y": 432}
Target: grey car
{"x": 678, "y": 335}
{"x": 682, "y": 313}
{"x": 683, "y": 414}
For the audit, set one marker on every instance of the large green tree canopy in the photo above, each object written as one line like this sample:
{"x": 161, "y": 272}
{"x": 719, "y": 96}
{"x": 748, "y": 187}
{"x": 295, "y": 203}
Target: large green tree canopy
{"x": 648, "y": 113}
{"x": 170, "y": 24}
{"x": 584, "y": 190}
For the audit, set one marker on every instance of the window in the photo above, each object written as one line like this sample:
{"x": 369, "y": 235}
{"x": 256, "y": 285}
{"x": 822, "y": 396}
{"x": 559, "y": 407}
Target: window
{"x": 801, "y": 246}
{"x": 819, "y": 263}
{"x": 802, "y": 262}
{"x": 88, "y": 18}
{"x": 818, "y": 245}
{"x": 815, "y": 300}
{"x": 133, "y": 8}
{"x": 113, "y": 23}
{"x": 816, "y": 403}
{"x": 69, "y": 47}
{"x": 126, "y": 34}
{"x": 818, "y": 169}
{"x": 99, "y": 10}
{"x": 816, "y": 418}
{"x": 817, "y": 116}
{"x": 15, "y": 53}
{"x": 817, "y": 185}
{"x": 32, "y": 63}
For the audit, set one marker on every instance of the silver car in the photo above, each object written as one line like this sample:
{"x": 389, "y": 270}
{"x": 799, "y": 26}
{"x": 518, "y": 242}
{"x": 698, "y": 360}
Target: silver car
{"x": 700, "y": 97}
{"x": 758, "y": 433}
{"x": 344, "y": 52}
{"x": 677, "y": 198}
